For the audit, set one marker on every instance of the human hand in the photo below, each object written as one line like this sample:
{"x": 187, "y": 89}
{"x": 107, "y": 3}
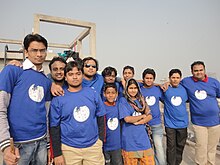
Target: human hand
{"x": 59, "y": 160}
{"x": 11, "y": 158}
{"x": 15, "y": 63}
{"x": 56, "y": 90}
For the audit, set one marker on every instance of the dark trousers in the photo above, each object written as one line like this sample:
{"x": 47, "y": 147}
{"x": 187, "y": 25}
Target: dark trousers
{"x": 176, "y": 140}
{"x": 113, "y": 157}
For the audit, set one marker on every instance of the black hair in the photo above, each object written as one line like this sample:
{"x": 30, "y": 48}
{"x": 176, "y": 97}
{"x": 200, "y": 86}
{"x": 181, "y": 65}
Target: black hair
{"x": 148, "y": 71}
{"x": 197, "y": 63}
{"x": 110, "y": 85}
{"x": 129, "y": 67}
{"x": 54, "y": 59}
{"x": 172, "y": 71}
{"x": 108, "y": 71}
{"x": 70, "y": 65}
{"x": 91, "y": 58}
{"x": 34, "y": 37}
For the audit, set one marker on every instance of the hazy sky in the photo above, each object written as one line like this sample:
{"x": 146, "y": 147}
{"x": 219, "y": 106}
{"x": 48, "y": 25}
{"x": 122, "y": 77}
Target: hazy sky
{"x": 160, "y": 34}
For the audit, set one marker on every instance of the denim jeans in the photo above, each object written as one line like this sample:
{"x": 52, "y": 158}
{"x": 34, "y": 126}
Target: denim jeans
{"x": 32, "y": 153}
{"x": 157, "y": 135}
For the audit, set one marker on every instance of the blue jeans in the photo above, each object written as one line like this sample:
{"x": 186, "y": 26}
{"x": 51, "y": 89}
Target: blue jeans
{"x": 32, "y": 153}
{"x": 157, "y": 135}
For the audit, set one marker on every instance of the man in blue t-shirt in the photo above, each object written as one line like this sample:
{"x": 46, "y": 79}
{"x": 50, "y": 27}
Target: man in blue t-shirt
{"x": 23, "y": 94}
{"x": 203, "y": 92}
{"x": 73, "y": 121}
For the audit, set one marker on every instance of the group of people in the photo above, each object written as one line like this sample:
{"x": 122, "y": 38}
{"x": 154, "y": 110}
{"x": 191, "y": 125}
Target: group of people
{"x": 95, "y": 119}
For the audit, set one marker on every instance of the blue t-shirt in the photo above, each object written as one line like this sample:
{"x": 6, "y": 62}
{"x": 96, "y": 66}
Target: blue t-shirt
{"x": 113, "y": 137}
{"x": 29, "y": 90}
{"x": 204, "y": 107}
{"x": 96, "y": 83}
{"x": 175, "y": 112}
{"x": 76, "y": 113}
{"x": 134, "y": 137}
{"x": 153, "y": 96}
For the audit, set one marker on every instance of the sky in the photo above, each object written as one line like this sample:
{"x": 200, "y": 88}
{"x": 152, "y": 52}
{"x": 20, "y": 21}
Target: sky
{"x": 158, "y": 34}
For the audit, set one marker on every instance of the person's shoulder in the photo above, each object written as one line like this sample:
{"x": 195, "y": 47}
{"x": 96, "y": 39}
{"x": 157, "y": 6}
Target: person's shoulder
{"x": 89, "y": 90}
{"x": 99, "y": 77}
{"x": 12, "y": 68}
{"x": 212, "y": 79}
{"x": 122, "y": 100}
{"x": 186, "y": 79}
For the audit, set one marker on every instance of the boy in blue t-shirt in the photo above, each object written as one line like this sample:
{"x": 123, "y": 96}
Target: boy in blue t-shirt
{"x": 112, "y": 146}
{"x": 175, "y": 118}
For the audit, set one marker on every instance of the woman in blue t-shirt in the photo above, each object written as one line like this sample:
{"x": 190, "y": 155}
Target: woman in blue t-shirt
{"x": 135, "y": 113}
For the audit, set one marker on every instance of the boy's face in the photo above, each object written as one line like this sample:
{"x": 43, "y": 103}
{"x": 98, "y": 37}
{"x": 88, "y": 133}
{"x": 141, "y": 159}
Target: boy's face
{"x": 175, "y": 79}
{"x": 148, "y": 80}
{"x": 74, "y": 77}
{"x": 110, "y": 94}
{"x": 127, "y": 74}
{"x": 110, "y": 78}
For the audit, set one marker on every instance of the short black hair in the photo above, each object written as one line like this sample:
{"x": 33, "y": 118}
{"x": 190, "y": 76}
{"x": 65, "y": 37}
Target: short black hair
{"x": 56, "y": 58}
{"x": 91, "y": 58}
{"x": 197, "y": 63}
{"x": 149, "y": 71}
{"x": 172, "y": 71}
{"x": 108, "y": 71}
{"x": 129, "y": 67}
{"x": 70, "y": 65}
{"x": 110, "y": 85}
{"x": 34, "y": 37}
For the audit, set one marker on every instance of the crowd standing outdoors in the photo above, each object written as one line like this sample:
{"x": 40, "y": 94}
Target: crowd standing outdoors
{"x": 102, "y": 119}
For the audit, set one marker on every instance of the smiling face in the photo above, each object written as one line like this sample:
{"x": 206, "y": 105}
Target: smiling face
{"x": 89, "y": 69}
{"x": 198, "y": 72}
{"x": 148, "y": 80}
{"x": 110, "y": 94}
{"x": 175, "y": 79}
{"x": 57, "y": 71}
{"x": 132, "y": 91}
{"x": 36, "y": 53}
{"x": 74, "y": 79}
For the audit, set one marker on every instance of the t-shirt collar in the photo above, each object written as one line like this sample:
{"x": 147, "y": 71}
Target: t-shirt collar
{"x": 27, "y": 64}
{"x": 107, "y": 103}
{"x": 204, "y": 80}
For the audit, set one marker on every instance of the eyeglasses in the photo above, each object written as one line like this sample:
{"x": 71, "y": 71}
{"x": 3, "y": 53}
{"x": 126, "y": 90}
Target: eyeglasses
{"x": 34, "y": 51}
{"x": 89, "y": 65}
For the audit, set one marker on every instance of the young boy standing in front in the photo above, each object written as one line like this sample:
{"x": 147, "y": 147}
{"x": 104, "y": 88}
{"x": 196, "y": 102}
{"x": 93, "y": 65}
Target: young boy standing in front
{"x": 112, "y": 146}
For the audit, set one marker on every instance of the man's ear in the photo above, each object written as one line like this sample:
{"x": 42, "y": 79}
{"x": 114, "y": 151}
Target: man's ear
{"x": 26, "y": 53}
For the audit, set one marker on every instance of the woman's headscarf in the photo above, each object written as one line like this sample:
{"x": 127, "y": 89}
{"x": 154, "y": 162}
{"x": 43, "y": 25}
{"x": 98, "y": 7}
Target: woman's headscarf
{"x": 144, "y": 109}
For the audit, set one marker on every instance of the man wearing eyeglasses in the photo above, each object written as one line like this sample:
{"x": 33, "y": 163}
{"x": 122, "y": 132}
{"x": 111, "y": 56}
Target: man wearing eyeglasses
{"x": 23, "y": 94}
